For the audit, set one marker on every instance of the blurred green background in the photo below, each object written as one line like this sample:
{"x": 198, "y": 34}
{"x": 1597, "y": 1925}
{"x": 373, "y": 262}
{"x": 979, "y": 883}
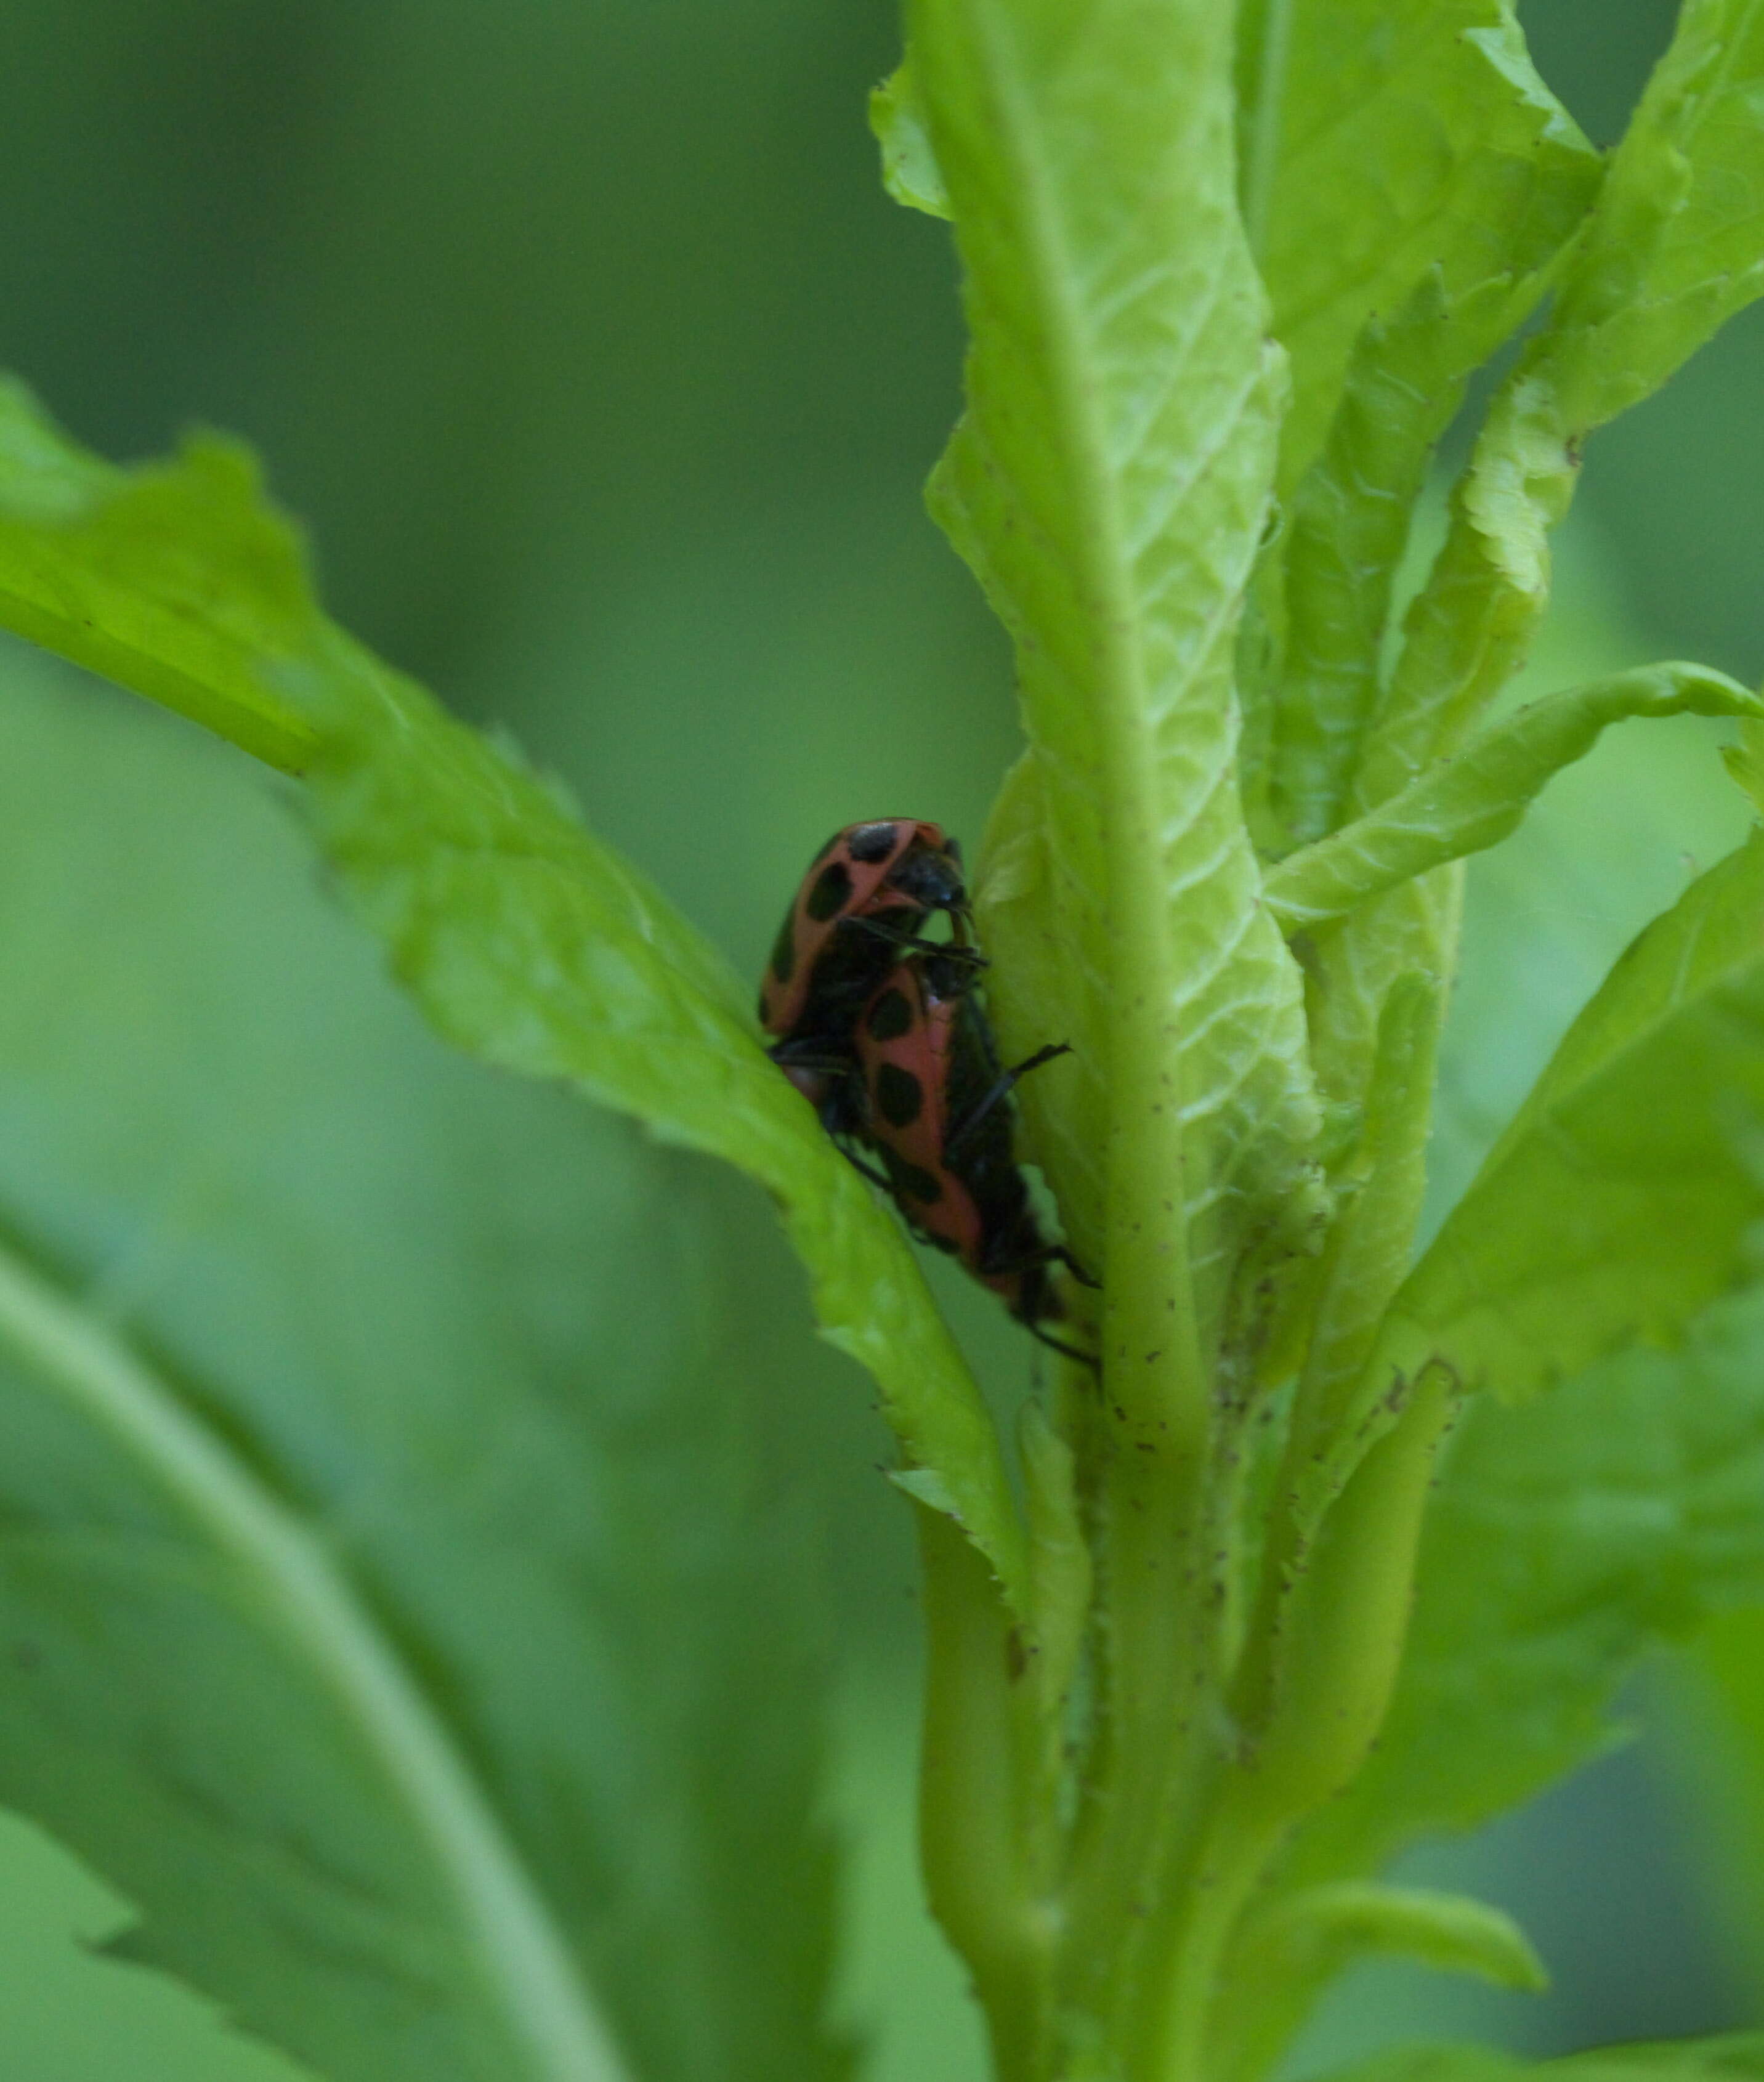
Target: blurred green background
{"x": 580, "y": 336}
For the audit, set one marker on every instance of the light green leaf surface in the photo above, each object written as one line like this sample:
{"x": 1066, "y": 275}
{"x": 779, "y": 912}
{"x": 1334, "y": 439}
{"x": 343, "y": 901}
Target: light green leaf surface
{"x": 1410, "y": 180}
{"x": 1566, "y": 1539}
{"x": 1621, "y": 1198}
{"x": 1674, "y": 248}
{"x": 171, "y": 579}
{"x": 1738, "y": 2058}
{"x": 1386, "y": 147}
{"x": 1676, "y": 244}
{"x": 525, "y": 940}
{"x": 396, "y": 1607}
{"x": 1322, "y": 1929}
{"x": 1109, "y": 485}
{"x": 910, "y": 170}
{"x": 1473, "y": 801}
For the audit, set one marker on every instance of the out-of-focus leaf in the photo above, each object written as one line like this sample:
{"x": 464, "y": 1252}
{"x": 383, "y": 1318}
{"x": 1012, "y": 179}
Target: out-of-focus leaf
{"x": 1724, "y": 1780}
{"x": 1739, "y": 2056}
{"x": 395, "y": 1604}
{"x": 69, "y": 2010}
{"x": 1475, "y": 800}
{"x": 1108, "y": 485}
{"x": 536, "y": 947}
{"x": 1566, "y": 1538}
{"x": 1621, "y": 1198}
{"x": 171, "y": 578}
{"x": 1383, "y": 146}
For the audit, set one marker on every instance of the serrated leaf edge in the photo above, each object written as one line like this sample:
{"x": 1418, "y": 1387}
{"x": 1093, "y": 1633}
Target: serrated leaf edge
{"x": 528, "y": 1970}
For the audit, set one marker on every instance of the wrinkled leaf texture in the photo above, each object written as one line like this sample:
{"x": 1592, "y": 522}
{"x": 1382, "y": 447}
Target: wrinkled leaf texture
{"x": 1673, "y": 248}
{"x": 1465, "y": 804}
{"x": 1107, "y": 485}
{"x": 1381, "y": 146}
{"x": 1408, "y": 180}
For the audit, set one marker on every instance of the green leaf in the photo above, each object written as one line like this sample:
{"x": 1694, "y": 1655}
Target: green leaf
{"x": 1109, "y": 485}
{"x": 910, "y": 171}
{"x": 1740, "y": 2056}
{"x": 1621, "y": 1198}
{"x": 1473, "y": 801}
{"x": 1421, "y": 182}
{"x": 525, "y": 940}
{"x": 1676, "y": 244}
{"x": 1325, "y": 1929}
{"x": 396, "y": 1603}
{"x": 1674, "y": 248}
{"x": 535, "y": 949}
{"x": 71, "y": 2011}
{"x": 173, "y": 579}
{"x": 225, "y": 1565}
{"x": 1744, "y": 762}
{"x": 1723, "y": 1772}
{"x": 1566, "y": 1538}
{"x": 1386, "y": 148}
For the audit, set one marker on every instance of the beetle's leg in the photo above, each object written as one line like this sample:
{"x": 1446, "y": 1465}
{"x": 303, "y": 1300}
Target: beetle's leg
{"x": 1057, "y": 1345}
{"x": 1006, "y": 1080}
{"x": 958, "y": 952}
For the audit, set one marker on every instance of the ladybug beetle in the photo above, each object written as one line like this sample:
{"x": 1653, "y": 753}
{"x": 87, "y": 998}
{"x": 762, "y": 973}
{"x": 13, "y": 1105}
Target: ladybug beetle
{"x": 936, "y": 1107}
{"x": 867, "y": 894}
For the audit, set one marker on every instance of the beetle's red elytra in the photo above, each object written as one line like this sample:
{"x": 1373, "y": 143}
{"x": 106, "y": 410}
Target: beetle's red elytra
{"x": 864, "y": 900}
{"x": 879, "y": 1029}
{"x": 937, "y": 1107}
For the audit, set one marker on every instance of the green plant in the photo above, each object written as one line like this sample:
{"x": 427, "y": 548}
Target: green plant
{"x": 1228, "y": 284}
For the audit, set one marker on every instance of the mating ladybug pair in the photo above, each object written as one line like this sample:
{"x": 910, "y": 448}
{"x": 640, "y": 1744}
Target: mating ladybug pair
{"x": 879, "y": 1029}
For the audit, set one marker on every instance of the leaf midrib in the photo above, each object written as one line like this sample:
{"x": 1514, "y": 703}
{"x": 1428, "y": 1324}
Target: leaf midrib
{"x": 526, "y": 1966}
{"x": 1096, "y": 541}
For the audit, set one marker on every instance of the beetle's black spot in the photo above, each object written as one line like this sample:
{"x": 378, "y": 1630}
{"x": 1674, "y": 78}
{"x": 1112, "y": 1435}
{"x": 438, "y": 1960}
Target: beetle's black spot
{"x": 784, "y": 951}
{"x": 900, "y": 1098}
{"x": 914, "y": 1184}
{"x": 870, "y": 843}
{"x": 891, "y": 1016}
{"x": 946, "y": 1243}
{"x": 830, "y": 893}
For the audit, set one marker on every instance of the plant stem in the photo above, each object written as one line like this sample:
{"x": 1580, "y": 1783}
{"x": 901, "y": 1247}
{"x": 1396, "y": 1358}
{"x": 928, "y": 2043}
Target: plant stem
{"x": 975, "y": 1812}
{"x": 1333, "y": 1689}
